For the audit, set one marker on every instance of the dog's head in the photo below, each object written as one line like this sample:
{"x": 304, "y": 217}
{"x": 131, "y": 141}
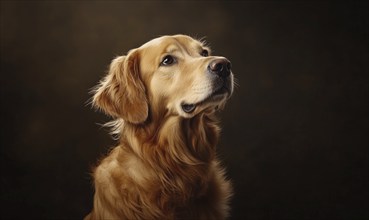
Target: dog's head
{"x": 176, "y": 74}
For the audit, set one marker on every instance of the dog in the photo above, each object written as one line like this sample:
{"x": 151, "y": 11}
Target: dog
{"x": 163, "y": 97}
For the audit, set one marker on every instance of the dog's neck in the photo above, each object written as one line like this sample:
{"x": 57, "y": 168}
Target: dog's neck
{"x": 186, "y": 141}
{"x": 176, "y": 148}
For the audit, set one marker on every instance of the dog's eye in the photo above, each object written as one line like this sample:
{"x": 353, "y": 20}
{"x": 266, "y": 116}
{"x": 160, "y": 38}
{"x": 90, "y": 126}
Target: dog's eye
{"x": 168, "y": 60}
{"x": 204, "y": 53}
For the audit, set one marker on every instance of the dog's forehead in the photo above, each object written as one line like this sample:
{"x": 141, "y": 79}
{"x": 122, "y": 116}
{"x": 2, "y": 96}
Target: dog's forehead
{"x": 180, "y": 40}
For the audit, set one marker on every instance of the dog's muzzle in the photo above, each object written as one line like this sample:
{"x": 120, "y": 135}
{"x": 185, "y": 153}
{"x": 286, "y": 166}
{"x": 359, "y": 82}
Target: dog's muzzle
{"x": 220, "y": 68}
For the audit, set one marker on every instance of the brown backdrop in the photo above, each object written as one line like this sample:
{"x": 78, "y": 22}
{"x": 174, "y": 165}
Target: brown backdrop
{"x": 295, "y": 133}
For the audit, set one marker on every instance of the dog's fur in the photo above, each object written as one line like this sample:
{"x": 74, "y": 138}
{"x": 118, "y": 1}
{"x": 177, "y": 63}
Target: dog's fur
{"x": 165, "y": 165}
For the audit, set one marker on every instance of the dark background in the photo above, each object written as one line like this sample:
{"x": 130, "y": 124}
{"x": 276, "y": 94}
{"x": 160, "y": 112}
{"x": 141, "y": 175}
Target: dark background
{"x": 295, "y": 133}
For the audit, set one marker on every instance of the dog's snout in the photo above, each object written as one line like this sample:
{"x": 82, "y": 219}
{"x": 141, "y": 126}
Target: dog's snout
{"x": 220, "y": 67}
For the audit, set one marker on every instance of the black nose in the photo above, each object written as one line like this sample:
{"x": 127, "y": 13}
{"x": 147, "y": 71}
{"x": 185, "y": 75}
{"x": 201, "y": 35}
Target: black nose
{"x": 220, "y": 67}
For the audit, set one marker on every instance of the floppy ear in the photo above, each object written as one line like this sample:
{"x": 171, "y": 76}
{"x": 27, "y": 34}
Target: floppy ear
{"x": 122, "y": 93}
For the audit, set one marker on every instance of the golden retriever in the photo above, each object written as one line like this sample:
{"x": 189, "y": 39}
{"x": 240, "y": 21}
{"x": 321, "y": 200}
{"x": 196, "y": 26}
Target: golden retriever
{"x": 163, "y": 97}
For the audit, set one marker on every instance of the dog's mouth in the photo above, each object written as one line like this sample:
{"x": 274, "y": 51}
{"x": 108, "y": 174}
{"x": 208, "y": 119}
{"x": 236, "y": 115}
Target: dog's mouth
{"x": 214, "y": 97}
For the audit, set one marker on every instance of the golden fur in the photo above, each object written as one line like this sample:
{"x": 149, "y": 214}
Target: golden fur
{"x": 165, "y": 165}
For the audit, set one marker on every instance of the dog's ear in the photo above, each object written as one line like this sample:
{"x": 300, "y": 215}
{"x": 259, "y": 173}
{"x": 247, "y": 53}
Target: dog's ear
{"x": 122, "y": 93}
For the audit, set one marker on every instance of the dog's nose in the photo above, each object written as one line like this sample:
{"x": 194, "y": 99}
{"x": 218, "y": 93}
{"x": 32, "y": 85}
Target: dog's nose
{"x": 221, "y": 67}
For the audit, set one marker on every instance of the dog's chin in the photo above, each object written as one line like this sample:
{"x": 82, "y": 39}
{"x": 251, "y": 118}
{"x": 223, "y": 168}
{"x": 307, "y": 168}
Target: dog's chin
{"x": 210, "y": 103}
